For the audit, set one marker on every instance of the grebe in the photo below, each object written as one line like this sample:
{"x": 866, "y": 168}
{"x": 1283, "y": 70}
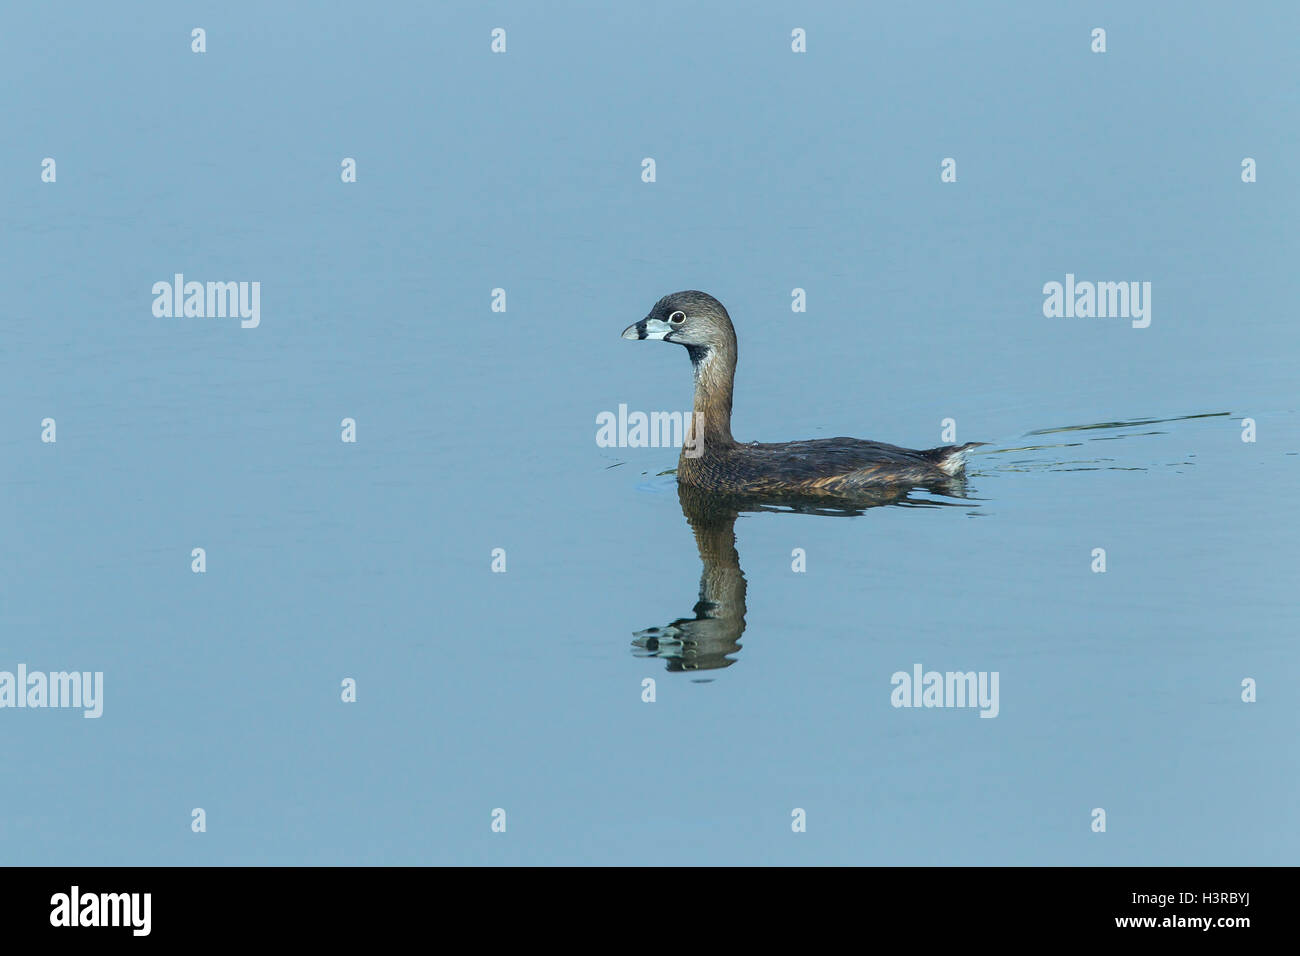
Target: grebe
{"x": 821, "y": 468}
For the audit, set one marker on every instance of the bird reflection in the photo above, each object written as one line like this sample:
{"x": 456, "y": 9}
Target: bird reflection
{"x": 707, "y": 640}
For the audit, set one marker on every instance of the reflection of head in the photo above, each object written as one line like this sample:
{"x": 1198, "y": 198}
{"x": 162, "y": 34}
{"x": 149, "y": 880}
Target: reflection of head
{"x": 704, "y": 641}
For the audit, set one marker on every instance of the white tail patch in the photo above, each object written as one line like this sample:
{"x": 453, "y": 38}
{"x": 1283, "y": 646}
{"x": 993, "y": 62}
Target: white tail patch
{"x": 954, "y": 462}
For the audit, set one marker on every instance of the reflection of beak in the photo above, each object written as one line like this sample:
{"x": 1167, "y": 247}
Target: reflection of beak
{"x": 648, "y": 329}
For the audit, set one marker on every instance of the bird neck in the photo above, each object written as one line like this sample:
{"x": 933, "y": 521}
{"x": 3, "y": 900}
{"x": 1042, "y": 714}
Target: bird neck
{"x": 715, "y": 369}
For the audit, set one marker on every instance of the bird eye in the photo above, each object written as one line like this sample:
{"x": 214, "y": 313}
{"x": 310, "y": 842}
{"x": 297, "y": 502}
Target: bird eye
{"x": 677, "y": 318}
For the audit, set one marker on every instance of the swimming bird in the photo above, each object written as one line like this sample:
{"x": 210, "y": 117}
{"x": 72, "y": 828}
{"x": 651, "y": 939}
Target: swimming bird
{"x": 818, "y": 468}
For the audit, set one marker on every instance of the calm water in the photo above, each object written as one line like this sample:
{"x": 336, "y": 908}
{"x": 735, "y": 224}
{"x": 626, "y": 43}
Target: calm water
{"x": 476, "y": 430}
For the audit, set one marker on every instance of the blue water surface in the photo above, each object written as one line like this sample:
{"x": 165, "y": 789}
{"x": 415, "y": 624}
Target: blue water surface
{"x": 476, "y": 430}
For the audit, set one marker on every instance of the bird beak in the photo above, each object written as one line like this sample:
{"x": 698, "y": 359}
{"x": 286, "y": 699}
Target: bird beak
{"x": 648, "y": 329}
